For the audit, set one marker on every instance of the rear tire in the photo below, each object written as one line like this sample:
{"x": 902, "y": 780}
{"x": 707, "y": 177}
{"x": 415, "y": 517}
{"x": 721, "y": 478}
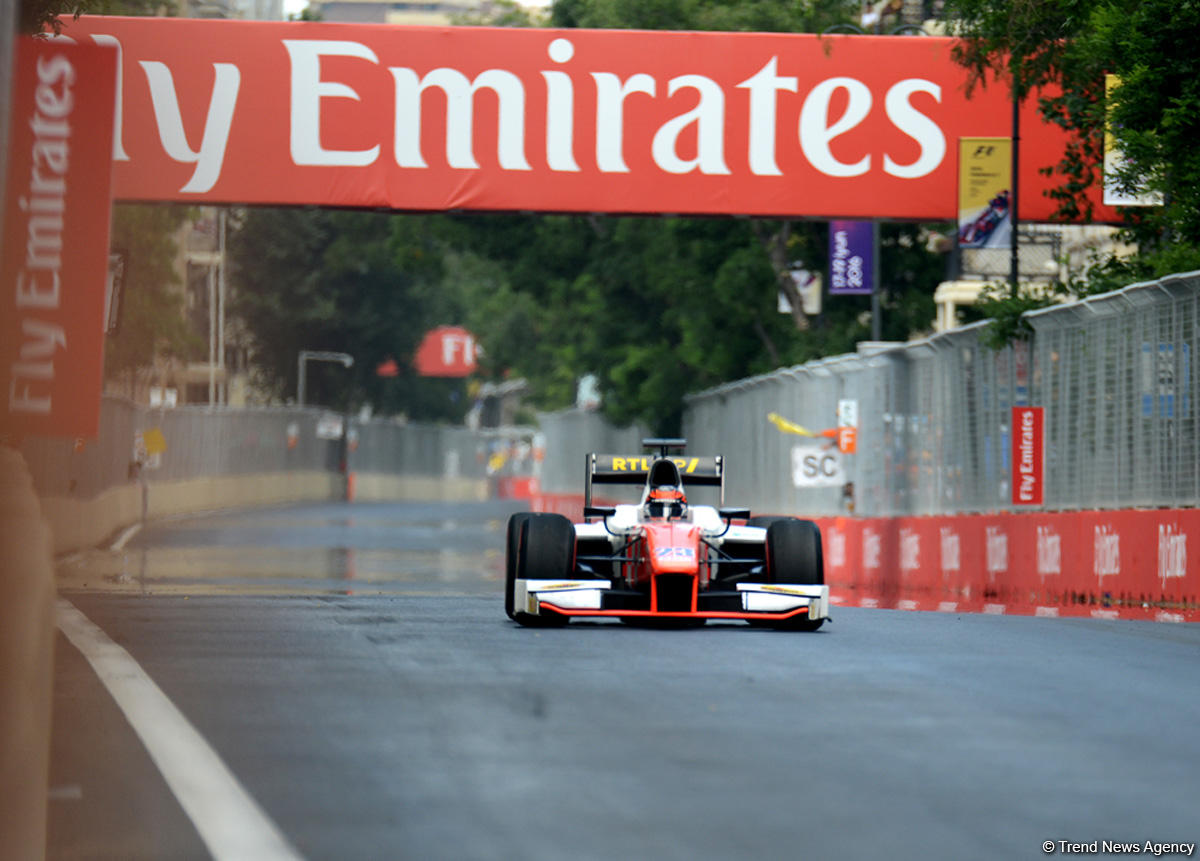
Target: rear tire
{"x": 546, "y": 551}
{"x": 794, "y": 556}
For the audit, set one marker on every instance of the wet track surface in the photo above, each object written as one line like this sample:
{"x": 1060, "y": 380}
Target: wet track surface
{"x": 330, "y": 548}
{"x": 352, "y": 666}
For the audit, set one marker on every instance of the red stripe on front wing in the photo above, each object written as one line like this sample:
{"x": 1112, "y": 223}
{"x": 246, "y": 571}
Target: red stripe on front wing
{"x": 699, "y": 614}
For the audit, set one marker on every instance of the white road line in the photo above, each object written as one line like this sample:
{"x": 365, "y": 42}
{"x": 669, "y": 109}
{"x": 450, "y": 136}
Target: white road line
{"x": 230, "y": 822}
{"x": 125, "y": 536}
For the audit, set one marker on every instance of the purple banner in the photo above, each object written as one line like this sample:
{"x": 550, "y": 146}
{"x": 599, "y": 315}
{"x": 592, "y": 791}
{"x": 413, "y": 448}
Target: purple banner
{"x": 851, "y": 256}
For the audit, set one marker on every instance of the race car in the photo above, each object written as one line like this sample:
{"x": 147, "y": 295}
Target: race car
{"x": 662, "y": 561}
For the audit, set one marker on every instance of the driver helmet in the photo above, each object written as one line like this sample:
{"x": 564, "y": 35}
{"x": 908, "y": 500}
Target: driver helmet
{"x": 666, "y": 500}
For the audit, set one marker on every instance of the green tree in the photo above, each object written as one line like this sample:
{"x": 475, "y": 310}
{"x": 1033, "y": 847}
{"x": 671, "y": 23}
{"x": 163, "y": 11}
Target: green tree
{"x": 658, "y": 307}
{"x": 655, "y": 307}
{"x": 1067, "y": 46}
{"x": 38, "y": 16}
{"x": 152, "y": 319}
{"x": 362, "y": 283}
{"x": 499, "y": 13}
{"x": 763, "y": 16}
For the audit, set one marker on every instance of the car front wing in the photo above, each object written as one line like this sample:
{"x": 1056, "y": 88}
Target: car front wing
{"x": 772, "y": 602}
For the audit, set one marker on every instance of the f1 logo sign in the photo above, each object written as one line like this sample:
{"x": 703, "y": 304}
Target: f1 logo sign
{"x": 457, "y": 349}
{"x": 447, "y": 351}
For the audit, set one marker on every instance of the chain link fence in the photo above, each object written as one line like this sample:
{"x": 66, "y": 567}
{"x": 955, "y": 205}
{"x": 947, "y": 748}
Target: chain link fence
{"x": 1113, "y": 374}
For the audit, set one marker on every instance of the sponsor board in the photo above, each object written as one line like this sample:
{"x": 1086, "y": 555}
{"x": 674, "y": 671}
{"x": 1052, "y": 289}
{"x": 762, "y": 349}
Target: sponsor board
{"x": 621, "y": 121}
{"x": 1050, "y": 562}
{"x": 54, "y": 269}
{"x": 1028, "y": 455}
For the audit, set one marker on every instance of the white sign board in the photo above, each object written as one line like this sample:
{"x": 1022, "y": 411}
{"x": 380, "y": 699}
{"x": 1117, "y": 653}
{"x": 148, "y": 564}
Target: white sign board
{"x": 329, "y": 426}
{"x": 847, "y": 413}
{"x": 814, "y": 465}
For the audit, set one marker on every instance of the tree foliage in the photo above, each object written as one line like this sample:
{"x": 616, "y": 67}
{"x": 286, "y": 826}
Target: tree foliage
{"x": 152, "y": 319}
{"x": 762, "y": 16}
{"x": 363, "y": 283}
{"x": 655, "y": 307}
{"x": 1154, "y": 115}
{"x": 40, "y": 16}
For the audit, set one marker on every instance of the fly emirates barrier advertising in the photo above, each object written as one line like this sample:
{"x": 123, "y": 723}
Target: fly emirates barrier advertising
{"x": 56, "y": 226}
{"x": 617, "y": 121}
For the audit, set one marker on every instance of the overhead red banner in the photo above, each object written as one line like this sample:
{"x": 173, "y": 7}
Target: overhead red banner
{"x": 56, "y": 226}
{"x": 619, "y": 121}
{"x": 1028, "y": 456}
{"x": 447, "y": 351}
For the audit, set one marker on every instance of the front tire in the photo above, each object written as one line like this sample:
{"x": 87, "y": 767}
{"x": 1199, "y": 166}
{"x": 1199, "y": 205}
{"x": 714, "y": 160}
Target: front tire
{"x": 546, "y": 551}
{"x": 794, "y": 555}
{"x": 512, "y": 554}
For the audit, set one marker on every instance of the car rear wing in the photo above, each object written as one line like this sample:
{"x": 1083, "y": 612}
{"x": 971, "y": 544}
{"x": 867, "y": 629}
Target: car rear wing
{"x": 634, "y": 469}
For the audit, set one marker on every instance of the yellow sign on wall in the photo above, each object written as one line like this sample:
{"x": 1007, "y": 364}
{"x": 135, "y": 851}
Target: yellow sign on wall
{"x": 984, "y": 192}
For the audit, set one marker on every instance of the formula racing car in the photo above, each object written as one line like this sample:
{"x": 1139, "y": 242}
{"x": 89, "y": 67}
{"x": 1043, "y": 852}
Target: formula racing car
{"x": 662, "y": 561}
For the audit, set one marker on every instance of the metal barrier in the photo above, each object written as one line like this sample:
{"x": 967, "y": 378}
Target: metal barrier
{"x": 572, "y": 434}
{"x": 392, "y": 448}
{"x": 203, "y": 442}
{"x": 1113, "y": 374}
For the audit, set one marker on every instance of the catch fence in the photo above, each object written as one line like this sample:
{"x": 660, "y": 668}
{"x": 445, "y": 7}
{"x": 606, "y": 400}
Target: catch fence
{"x": 1112, "y": 373}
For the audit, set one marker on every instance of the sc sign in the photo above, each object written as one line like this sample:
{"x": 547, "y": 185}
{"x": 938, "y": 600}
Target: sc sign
{"x": 816, "y": 466}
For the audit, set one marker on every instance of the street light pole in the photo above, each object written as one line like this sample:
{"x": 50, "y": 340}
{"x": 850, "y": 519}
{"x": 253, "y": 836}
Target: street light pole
{"x": 1014, "y": 261}
{"x": 317, "y": 356}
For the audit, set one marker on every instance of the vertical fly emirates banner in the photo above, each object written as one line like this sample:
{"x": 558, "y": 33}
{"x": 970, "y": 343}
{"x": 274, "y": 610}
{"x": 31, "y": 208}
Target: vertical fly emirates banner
{"x": 56, "y": 225}
{"x": 1028, "y": 456}
{"x": 615, "y": 121}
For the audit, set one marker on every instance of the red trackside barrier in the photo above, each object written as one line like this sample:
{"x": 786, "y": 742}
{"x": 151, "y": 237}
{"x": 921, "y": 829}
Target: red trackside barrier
{"x": 1101, "y": 564}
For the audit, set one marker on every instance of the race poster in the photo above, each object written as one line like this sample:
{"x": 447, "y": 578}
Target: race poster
{"x": 984, "y": 189}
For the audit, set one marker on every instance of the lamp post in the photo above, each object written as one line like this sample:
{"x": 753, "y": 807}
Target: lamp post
{"x": 317, "y": 356}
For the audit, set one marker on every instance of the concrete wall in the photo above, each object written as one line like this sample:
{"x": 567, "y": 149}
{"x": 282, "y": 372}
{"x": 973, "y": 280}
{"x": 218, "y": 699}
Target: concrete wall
{"x": 26, "y": 661}
{"x": 78, "y": 524}
{"x": 240, "y": 491}
{"x": 374, "y": 486}
{"x": 81, "y": 523}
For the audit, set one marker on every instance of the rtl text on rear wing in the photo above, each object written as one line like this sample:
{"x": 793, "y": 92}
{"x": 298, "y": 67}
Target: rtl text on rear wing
{"x": 634, "y": 469}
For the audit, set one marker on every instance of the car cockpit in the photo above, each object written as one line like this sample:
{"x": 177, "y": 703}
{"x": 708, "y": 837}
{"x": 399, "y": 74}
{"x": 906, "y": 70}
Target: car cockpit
{"x": 663, "y": 497}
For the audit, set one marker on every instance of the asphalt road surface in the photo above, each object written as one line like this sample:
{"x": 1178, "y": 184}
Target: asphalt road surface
{"x": 352, "y": 670}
